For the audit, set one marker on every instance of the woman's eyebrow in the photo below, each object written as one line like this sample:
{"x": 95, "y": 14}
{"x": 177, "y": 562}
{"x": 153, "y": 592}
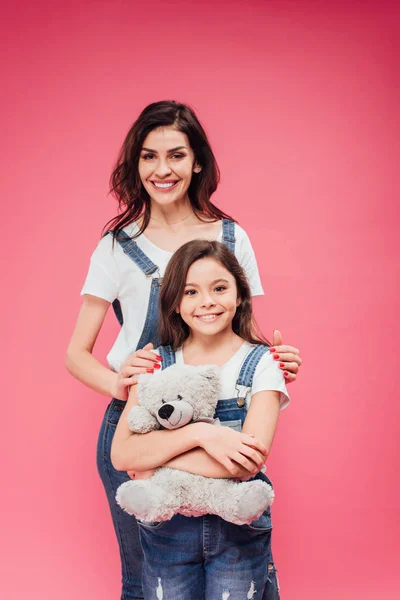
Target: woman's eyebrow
{"x": 171, "y": 150}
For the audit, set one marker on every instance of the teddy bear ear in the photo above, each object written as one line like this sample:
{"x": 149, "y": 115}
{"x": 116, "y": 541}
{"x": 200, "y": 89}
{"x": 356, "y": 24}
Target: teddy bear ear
{"x": 210, "y": 372}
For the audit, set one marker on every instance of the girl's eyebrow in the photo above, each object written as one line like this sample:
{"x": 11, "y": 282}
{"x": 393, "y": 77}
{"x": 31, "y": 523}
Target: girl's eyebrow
{"x": 171, "y": 150}
{"x": 212, "y": 283}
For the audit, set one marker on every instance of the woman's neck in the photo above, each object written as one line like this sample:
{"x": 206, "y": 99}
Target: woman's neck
{"x": 180, "y": 212}
{"x": 216, "y": 349}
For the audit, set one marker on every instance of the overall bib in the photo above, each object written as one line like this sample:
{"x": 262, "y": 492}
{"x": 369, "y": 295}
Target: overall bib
{"x": 207, "y": 558}
{"x": 125, "y": 525}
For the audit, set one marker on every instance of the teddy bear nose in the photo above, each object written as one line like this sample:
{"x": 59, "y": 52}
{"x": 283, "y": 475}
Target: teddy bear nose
{"x": 166, "y": 411}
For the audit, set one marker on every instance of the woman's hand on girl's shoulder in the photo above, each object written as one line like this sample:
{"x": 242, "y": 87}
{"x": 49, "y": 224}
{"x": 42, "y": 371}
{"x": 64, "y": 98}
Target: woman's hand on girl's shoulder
{"x": 233, "y": 449}
{"x": 141, "y": 361}
{"x": 287, "y": 356}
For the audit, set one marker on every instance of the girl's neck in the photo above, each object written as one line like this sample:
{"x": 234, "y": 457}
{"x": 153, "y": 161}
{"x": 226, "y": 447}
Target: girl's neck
{"x": 215, "y": 349}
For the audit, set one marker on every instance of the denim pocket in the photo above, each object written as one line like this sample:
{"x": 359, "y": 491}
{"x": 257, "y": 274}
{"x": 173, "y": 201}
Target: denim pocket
{"x": 152, "y": 526}
{"x": 114, "y": 412}
{"x": 263, "y": 523}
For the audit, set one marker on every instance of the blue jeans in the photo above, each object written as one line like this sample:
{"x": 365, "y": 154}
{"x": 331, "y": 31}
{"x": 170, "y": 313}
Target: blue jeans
{"x": 207, "y": 558}
{"x": 125, "y": 525}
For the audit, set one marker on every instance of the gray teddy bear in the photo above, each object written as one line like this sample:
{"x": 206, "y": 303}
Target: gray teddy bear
{"x": 171, "y": 399}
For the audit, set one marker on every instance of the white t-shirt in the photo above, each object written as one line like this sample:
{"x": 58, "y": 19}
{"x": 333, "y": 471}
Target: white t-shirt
{"x": 112, "y": 274}
{"x": 267, "y": 376}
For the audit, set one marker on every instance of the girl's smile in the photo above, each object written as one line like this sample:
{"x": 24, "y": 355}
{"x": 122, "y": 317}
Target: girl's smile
{"x": 210, "y": 300}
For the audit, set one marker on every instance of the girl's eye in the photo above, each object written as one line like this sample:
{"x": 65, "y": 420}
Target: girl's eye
{"x": 220, "y": 288}
{"x": 190, "y": 292}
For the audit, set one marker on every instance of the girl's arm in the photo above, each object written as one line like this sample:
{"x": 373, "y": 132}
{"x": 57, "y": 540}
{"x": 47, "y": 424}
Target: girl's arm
{"x": 142, "y": 452}
{"x": 261, "y": 421}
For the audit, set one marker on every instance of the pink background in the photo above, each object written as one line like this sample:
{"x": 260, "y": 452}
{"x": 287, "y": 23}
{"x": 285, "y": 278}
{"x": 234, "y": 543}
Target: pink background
{"x": 300, "y": 100}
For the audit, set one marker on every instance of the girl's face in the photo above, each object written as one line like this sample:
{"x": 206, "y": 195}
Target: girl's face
{"x": 166, "y": 165}
{"x": 210, "y": 298}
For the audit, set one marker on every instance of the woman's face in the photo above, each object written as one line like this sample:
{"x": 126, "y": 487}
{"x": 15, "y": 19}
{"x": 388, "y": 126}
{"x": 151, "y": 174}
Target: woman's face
{"x": 210, "y": 298}
{"x": 166, "y": 165}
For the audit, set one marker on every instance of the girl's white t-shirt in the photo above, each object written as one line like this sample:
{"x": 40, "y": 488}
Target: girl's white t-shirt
{"x": 113, "y": 275}
{"x": 267, "y": 376}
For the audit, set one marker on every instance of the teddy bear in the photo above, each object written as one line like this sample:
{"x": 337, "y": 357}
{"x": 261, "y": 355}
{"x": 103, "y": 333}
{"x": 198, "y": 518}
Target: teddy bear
{"x": 172, "y": 398}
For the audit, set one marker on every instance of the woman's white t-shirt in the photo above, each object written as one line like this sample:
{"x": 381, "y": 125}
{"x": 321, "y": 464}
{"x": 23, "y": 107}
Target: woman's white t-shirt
{"x": 113, "y": 275}
{"x": 267, "y": 376}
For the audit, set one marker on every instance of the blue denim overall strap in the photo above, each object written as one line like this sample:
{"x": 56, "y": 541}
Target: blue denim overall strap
{"x": 149, "y": 333}
{"x": 228, "y": 234}
{"x": 246, "y": 374}
{"x": 168, "y": 356}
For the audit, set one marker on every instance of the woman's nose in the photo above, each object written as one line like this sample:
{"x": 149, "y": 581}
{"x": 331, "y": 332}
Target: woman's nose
{"x": 162, "y": 168}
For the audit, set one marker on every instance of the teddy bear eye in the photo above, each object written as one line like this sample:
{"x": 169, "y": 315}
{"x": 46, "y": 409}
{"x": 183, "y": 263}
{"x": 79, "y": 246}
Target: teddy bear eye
{"x": 179, "y": 397}
{"x": 162, "y": 401}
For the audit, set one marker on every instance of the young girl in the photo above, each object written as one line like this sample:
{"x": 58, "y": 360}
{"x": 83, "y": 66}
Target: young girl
{"x": 164, "y": 178}
{"x": 206, "y": 318}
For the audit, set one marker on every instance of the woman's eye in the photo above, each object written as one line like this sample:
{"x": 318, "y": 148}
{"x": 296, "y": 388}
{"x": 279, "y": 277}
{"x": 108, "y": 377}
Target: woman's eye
{"x": 178, "y": 155}
{"x": 148, "y": 156}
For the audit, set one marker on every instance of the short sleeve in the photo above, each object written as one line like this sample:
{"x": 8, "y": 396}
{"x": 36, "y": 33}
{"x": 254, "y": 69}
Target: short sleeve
{"x": 246, "y": 257}
{"x": 269, "y": 377}
{"x": 102, "y": 279}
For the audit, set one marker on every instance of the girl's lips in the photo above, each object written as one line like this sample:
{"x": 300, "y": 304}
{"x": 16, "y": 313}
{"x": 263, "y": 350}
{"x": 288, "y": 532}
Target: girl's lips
{"x": 209, "y": 318}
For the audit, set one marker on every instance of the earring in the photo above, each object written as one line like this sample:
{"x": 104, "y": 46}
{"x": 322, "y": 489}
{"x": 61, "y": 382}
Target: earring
{"x": 197, "y": 169}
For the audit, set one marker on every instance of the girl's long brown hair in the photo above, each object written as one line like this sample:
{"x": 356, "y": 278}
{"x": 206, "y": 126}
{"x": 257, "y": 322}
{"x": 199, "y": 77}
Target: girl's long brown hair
{"x": 173, "y": 330}
{"x": 125, "y": 183}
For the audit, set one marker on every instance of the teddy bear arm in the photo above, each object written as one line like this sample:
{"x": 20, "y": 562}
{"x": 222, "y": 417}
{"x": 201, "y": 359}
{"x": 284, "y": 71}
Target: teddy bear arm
{"x": 141, "y": 421}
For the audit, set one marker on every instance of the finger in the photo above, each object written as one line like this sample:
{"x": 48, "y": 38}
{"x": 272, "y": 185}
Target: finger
{"x": 128, "y": 381}
{"x": 276, "y": 338}
{"x": 131, "y": 474}
{"x": 281, "y": 349}
{"x": 251, "y": 441}
{"x": 287, "y": 357}
{"x": 134, "y": 361}
{"x": 289, "y": 377}
{"x": 255, "y": 457}
{"x": 139, "y": 355}
{"x": 130, "y": 371}
{"x": 289, "y": 367}
{"x": 148, "y": 346}
{"x": 249, "y": 465}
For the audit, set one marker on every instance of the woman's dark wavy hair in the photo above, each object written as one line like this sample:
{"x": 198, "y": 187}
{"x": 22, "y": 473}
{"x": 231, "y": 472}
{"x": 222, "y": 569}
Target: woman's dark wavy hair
{"x": 173, "y": 329}
{"x": 125, "y": 183}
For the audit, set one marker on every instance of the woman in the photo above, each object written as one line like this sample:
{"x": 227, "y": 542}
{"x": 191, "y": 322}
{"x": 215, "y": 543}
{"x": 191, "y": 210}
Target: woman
{"x": 164, "y": 178}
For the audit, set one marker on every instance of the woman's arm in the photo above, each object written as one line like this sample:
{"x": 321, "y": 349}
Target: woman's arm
{"x": 141, "y": 452}
{"x": 79, "y": 360}
{"x": 261, "y": 421}
{"x": 81, "y": 363}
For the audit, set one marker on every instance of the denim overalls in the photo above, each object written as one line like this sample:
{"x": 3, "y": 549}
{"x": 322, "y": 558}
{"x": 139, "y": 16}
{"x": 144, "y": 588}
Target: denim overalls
{"x": 125, "y": 525}
{"x": 207, "y": 558}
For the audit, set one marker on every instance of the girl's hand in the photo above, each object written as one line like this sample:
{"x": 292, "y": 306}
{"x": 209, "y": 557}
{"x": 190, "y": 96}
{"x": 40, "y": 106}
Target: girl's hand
{"x": 288, "y": 357}
{"x": 141, "y": 361}
{"x": 233, "y": 449}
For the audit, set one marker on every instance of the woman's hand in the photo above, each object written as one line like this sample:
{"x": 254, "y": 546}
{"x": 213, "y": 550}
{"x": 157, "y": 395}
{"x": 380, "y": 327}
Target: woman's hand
{"x": 288, "y": 357}
{"x": 233, "y": 449}
{"x": 141, "y": 474}
{"x": 141, "y": 361}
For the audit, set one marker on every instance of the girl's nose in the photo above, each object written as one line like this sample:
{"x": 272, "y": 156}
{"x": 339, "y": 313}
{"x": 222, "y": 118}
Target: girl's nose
{"x": 207, "y": 301}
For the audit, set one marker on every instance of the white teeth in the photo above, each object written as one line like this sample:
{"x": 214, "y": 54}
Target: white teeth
{"x": 207, "y": 317}
{"x": 163, "y": 185}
